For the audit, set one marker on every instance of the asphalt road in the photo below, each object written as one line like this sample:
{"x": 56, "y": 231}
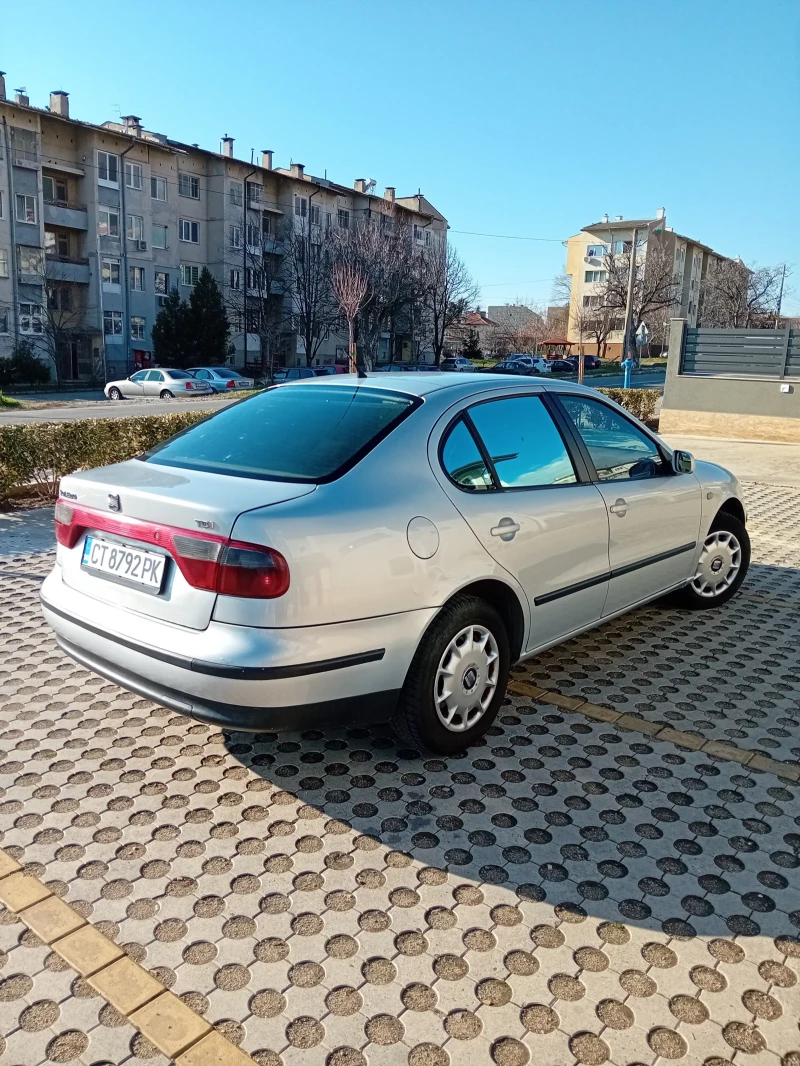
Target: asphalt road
{"x": 102, "y": 408}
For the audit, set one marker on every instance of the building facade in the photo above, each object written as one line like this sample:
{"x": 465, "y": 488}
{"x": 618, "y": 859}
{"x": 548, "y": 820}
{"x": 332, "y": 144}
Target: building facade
{"x": 587, "y": 264}
{"x": 98, "y": 223}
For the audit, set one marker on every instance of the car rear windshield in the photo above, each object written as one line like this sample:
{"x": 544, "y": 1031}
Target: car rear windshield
{"x": 293, "y": 433}
{"x": 224, "y": 373}
{"x": 178, "y": 375}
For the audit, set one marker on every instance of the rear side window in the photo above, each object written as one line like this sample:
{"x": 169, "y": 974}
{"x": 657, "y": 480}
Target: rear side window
{"x": 311, "y": 433}
{"x": 525, "y": 447}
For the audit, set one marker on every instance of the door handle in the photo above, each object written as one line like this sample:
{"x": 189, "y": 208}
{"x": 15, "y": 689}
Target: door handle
{"x": 506, "y": 529}
{"x": 619, "y": 507}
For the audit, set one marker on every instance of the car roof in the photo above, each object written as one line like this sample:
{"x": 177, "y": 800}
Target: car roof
{"x": 423, "y": 383}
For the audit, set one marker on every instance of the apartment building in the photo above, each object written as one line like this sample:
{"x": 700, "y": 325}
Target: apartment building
{"x": 587, "y": 264}
{"x": 99, "y": 222}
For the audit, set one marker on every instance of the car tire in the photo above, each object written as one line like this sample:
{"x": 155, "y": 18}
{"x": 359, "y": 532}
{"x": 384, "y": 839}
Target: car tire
{"x": 114, "y": 394}
{"x": 421, "y": 711}
{"x": 727, "y": 545}
{"x": 166, "y": 395}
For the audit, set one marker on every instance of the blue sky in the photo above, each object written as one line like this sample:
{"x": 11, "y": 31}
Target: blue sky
{"x": 527, "y": 118}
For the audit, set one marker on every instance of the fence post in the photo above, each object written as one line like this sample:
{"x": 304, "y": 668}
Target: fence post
{"x": 786, "y": 343}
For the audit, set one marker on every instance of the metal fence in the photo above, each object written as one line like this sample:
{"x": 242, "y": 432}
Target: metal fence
{"x": 757, "y": 353}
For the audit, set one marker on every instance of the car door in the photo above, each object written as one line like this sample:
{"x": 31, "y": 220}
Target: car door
{"x": 134, "y": 386}
{"x": 653, "y": 513}
{"x": 508, "y": 470}
{"x": 154, "y": 384}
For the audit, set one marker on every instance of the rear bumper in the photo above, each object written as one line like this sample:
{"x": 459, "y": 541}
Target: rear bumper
{"x": 239, "y": 676}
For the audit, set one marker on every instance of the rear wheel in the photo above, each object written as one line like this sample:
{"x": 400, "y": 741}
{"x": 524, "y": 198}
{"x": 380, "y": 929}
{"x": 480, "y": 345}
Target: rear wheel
{"x": 114, "y": 394}
{"x": 722, "y": 566}
{"x": 167, "y": 395}
{"x": 457, "y": 679}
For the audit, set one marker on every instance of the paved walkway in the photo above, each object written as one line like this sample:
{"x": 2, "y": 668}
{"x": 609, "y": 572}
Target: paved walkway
{"x": 769, "y": 464}
{"x": 566, "y": 893}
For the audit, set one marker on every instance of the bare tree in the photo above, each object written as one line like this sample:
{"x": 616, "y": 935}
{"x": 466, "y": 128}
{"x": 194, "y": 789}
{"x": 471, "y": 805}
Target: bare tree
{"x": 656, "y": 286}
{"x": 446, "y": 291}
{"x": 307, "y": 273}
{"x": 737, "y": 296}
{"x": 522, "y": 326}
{"x": 61, "y": 325}
{"x": 596, "y": 322}
{"x": 261, "y": 311}
{"x": 350, "y": 287}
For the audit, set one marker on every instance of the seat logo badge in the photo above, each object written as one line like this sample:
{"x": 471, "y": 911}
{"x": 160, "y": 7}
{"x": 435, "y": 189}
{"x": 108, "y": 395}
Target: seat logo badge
{"x": 114, "y": 502}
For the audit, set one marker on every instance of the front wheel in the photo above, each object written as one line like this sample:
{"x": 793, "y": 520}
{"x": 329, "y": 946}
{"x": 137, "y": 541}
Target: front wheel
{"x": 457, "y": 678}
{"x": 721, "y": 568}
{"x": 114, "y": 394}
{"x": 166, "y": 395}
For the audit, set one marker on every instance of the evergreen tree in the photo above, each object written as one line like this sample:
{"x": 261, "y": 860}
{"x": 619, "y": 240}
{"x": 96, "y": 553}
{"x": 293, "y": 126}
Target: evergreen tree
{"x": 471, "y": 347}
{"x": 208, "y": 323}
{"x": 172, "y": 340}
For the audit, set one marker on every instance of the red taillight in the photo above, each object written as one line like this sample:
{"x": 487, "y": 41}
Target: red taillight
{"x": 215, "y": 564}
{"x": 231, "y": 384}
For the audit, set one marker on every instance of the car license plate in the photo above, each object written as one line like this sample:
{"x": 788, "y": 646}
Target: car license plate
{"x": 119, "y": 562}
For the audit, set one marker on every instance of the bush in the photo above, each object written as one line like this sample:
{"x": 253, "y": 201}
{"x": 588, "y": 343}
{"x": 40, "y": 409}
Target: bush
{"x": 640, "y": 402}
{"x": 23, "y": 367}
{"x": 40, "y": 454}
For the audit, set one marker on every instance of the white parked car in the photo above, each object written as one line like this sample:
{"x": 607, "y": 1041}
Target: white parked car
{"x": 221, "y": 378}
{"x": 534, "y": 362}
{"x": 164, "y": 383}
{"x": 345, "y": 549}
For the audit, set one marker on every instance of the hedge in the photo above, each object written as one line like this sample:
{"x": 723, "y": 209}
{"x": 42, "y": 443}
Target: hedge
{"x": 37, "y": 455}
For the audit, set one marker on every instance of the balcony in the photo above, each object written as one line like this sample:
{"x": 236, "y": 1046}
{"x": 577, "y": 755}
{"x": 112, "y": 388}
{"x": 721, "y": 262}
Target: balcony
{"x": 66, "y": 215}
{"x": 25, "y": 157}
{"x": 273, "y": 246}
{"x": 67, "y": 268}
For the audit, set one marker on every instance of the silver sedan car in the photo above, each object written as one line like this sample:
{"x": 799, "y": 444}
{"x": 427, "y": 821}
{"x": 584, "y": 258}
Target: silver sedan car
{"x": 381, "y": 548}
{"x": 160, "y": 382}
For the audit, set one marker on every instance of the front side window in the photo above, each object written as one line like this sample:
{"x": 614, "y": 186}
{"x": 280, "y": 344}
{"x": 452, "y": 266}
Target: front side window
{"x": 107, "y": 169}
{"x": 462, "y": 460}
{"x": 137, "y": 327}
{"x": 189, "y": 186}
{"x": 26, "y": 208}
{"x": 525, "y": 447}
{"x": 136, "y": 275}
{"x": 617, "y": 448}
{"x": 158, "y": 188}
{"x": 112, "y": 323}
{"x": 133, "y": 175}
{"x": 135, "y": 228}
{"x": 159, "y": 235}
{"x": 188, "y": 231}
{"x": 108, "y": 221}
{"x": 306, "y": 433}
{"x": 140, "y": 376}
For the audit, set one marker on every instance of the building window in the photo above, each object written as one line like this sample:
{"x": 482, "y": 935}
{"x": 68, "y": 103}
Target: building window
{"x": 30, "y": 318}
{"x": 190, "y": 275}
{"x": 235, "y": 319}
{"x": 108, "y": 221}
{"x": 3, "y": 321}
{"x": 253, "y": 278}
{"x": 597, "y": 251}
{"x": 23, "y": 145}
{"x": 236, "y": 236}
{"x": 343, "y": 218}
{"x": 137, "y": 327}
{"x": 592, "y": 301}
{"x": 110, "y": 271}
{"x": 135, "y": 228}
{"x": 591, "y": 276}
{"x": 59, "y": 297}
{"x": 3, "y": 263}
{"x": 26, "y": 208}
{"x": 189, "y": 186}
{"x": 237, "y": 193}
{"x": 428, "y": 237}
{"x": 158, "y": 189}
{"x": 159, "y": 235}
{"x": 56, "y": 243}
{"x": 253, "y": 236}
{"x": 315, "y": 214}
{"x": 54, "y": 190}
{"x": 136, "y": 276}
{"x": 107, "y": 169}
{"x": 387, "y": 223}
{"x": 133, "y": 175}
{"x": 29, "y": 260}
{"x": 112, "y": 323}
{"x": 236, "y": 279}
{"x": 300, "y": 206}
{"x": 253, "y": 192}
{"x": 188, "y": 231}
{"x": 419, "y": 234}
{"x": 1, "y": 203}
{"x": 161, "y": 283}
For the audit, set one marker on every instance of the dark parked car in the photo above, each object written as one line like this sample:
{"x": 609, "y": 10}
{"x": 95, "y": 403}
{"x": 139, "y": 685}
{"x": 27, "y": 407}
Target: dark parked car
{"x": 458, "y": 363}
{"x": 590, "y": 362}
{"x": 561, "y": 366}
{"x": 511, "y": 366}
{"x": 291, "y": 373}
{"x": 330, "y": 368}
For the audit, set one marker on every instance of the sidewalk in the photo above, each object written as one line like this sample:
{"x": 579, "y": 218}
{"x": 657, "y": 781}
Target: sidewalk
{"x": 767, "y": 463}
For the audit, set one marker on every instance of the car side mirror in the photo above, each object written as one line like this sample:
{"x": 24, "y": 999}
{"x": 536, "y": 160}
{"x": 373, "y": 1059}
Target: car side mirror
{"x": 683, "y": 462}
